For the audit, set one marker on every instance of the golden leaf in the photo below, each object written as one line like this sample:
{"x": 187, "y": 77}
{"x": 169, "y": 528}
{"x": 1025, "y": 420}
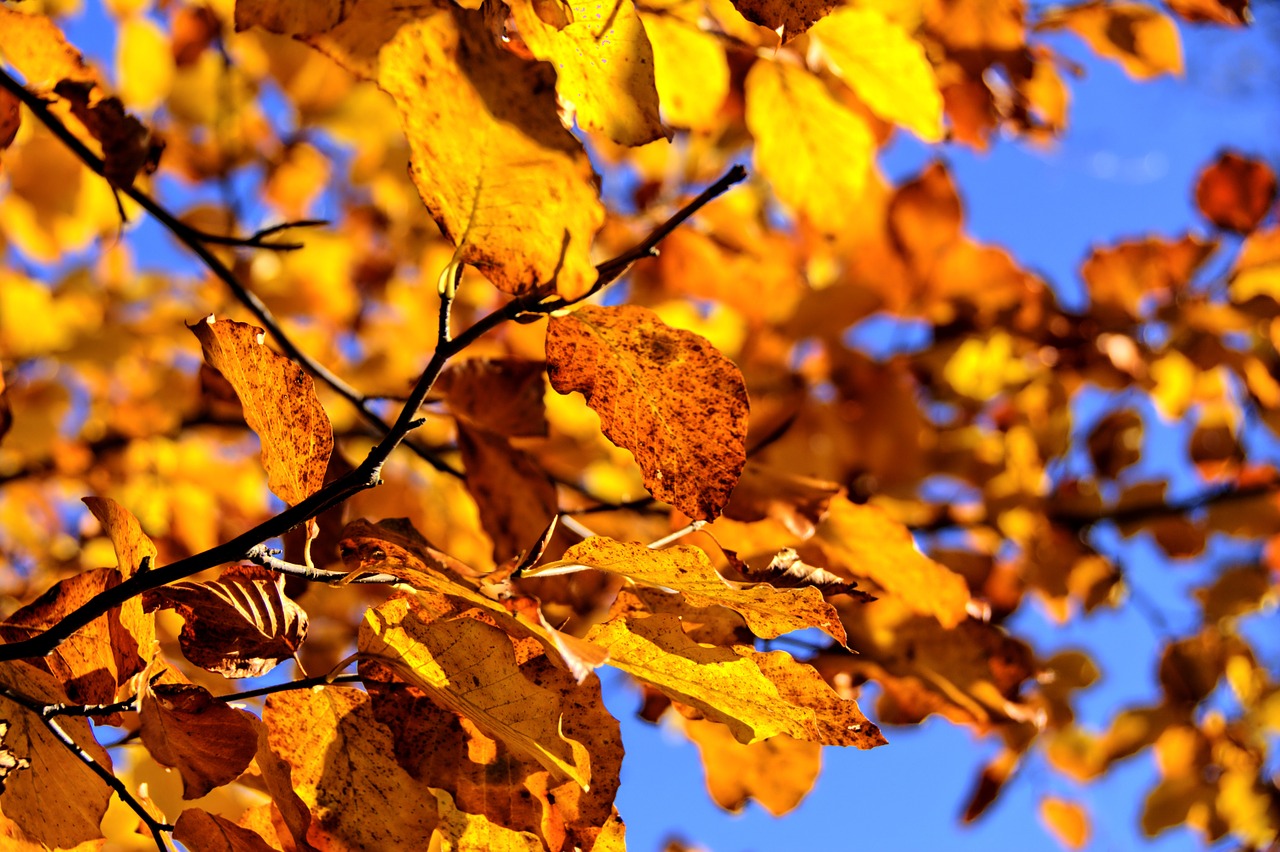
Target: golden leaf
{"x": 134, "y": 640}
{"x": 814, "y": 151}
{"x": 186, "y": 728}
{"x": 280, "y": 405}
{"x": 884, "y": 66}
{"x": 502, "y": 178}
{"x": 777, "y": 772}
{"x": 34, "y": 45}
{"x": 768, "y": 611}
{"x": 666, "y": 395}
{"x": 690, "y": 70}
{"x": 1141, "y": 38}
{"x": 463, "y": 832}
{"x": 470, "y": 667}
{"x": 1067, "y": 820}
{"x": 756, "y": 695}
{"x": 604, "y": 66}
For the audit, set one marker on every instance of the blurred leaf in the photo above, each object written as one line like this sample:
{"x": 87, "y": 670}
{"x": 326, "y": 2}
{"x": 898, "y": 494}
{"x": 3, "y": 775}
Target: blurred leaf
{"x": 1235, "y": 192}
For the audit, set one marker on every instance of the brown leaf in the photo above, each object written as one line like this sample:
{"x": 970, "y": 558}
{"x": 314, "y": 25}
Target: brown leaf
{"x": 792, "y": 17}
{"x": 278, "y": 778}
{"x": 769, "y": 611}
{"x": 666, "y": 395}
{"x": 1232, "y": 13}
{"x": 186, "y": 728}
{"x": 786, "y": 570}
{"x": 10, "y": 121}
{"x": 797, "y": 502}
{"x": 201, "y": 831}
{"x": 57, "y": 800}
{"x": 1235, "y": 192}
{"x": 9, "y": 762}
{"x": 777, "y": 772}
{"x": 133, "y": 630}
{"x": 128, "y": 148}
{"x": 502, "y": 395}
{"x": 1115, "y": 442}
{"x": 516, "y": 498}
{"x": 280, "y": 405}
{"x": 240, "y": 625}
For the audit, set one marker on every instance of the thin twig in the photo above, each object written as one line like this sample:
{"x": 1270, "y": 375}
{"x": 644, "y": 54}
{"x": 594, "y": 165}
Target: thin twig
{"x": 261, "y": 555}
{"x": 287, "y": 686}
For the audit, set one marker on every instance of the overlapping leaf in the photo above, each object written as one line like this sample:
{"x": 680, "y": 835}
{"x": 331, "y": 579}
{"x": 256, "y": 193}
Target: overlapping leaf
{"x": 280, "y": 405}
{"x": 664, "y": 394}
{"x": 1141, "y": 38}
{"x": 185, "y": 727}
{"x": 784, "y": 16}
{"x": 201, "y": 831}
{"x": 516, "y": 498}
{"x": 777, "y": 772}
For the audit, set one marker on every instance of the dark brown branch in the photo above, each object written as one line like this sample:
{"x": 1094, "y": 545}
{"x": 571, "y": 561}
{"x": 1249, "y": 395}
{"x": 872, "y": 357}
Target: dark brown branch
{"x": 256, "y": 240}
{"x": 288, "y": 686}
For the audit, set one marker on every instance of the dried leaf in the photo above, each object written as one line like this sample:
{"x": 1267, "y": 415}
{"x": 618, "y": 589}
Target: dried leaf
{"x": 280, "y": 405}
{"x": 502, "y": 178}
{"x": 786, "y": 570}
{"x": 10, "y": 122}
{"x": 128, "y": 148}
{"x": 790, "y": 17}
{"x": 201, "y": 831}
{"x": 604, "y": 67}
{"x": 666, "y": 395}
{"x": 777, "y": 772}
{"x": 516, "y": 498}
{"x": 9, "y": 762}
{"x": 865, "y": 542}
{"x": 756, "y": 695}
{"x": 769, "y": 611}
{"x": 800, "y": 131}
{"x": 797, "y": 502}
{"x": 884, "y": 65}
{"x": 1141, "y": 38}
{"x": 278, "y": 778}
{"x": 240, "y": 625}
{"x": 470, "y": 667}
{"x": 463, "y": 832}
{"x": 501, "y": 395}
{"x": 1235, "y": 192}
{"x": 186, "y": 728}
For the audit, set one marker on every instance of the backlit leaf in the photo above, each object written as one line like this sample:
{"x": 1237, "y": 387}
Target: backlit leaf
{"x": 463, "y": 832}
{"x": 768, "y": 611}
{"x": 885, "y": 66}
{"x": 797, "y": 502}
{"x": 801, "y": 134}
{"x": 240, "y": 625}
{"x": 186, "y": 728}
{"x": 34, "y": 45}
{"x": 201, "y": 831}
{"x": 604, "y": 66}
{"x": 504, "y": 181}
{"x": 1141, "y": 38}
{"x": 515, "y": 496}
{"x": 1067, "y": 820}
{"x": 280, "y": 405}
{"x": 666, "y": 395}
{"x": 1236, "y": 192}
{"x": 499, "y": 395}
{"x": 690, "y": 70}
{"x": 777, "y": 772}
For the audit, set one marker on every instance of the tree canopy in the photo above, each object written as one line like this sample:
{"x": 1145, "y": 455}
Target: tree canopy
{"x": 564, "y": 381}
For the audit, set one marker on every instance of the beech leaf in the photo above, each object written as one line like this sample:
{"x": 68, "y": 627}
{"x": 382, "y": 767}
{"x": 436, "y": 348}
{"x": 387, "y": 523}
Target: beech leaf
{"x": 756, "y": 695}
{"x": 501, "y": 395}
{"x": 463, "y": 832}
{"x": 1236, "y": 192}
{"x": 777, "y": 772}
{"x": 34, "y": 45}
{"x": 201, "y": 831}
{"x": 1143, "y": 39}
{"x": 516, "y": 498}
{"x": 186, "y": 728}
{"x": 280, "y": 405}
{"x": 789, "y": 17}
{"x": 502, "y": 178}
{"x": 240, "y": 625}
{"x": 769, "y": 611}
{"x": 470, "y": 667}
{"x": 666, "y": 395}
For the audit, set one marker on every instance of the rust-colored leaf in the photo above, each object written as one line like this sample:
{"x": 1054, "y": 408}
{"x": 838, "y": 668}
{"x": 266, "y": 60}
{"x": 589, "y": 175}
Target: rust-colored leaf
{"x": 280, "y": 405}
{"x": 201, "y": 831}
{"x": 769, "y": 611}
{"x": 10, "y": 121}
{"x": 1232, "y": 13}
{"x": 240, "y": 625}
{"x": 666, "y": 395}
{"x": 9, "y": 762}
{"x": 501, "y": 395}
{"x": 797, "y": 502}
{"x": 1235, "y": 192}
{"x": 516, "y": 498}
{"x": 186, "y": 728}
{"x": 128, "y": 148}
{"x": 789, "y": 18}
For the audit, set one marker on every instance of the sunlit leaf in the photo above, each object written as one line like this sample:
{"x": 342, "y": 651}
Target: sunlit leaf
{"x": 1067, "y": 820}
{"x": 1141, "y": 38}
{"x": 777, "y": 772}
{"x": 463, "y": 832}
{"x": 1236, "y": 192}
{"x": 789, "y": 18}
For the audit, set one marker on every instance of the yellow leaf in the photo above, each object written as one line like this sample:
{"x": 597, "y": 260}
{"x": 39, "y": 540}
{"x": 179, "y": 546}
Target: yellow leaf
{"x": 1256, "y": 272}
{"x": 666, "y": 395}
{"x": 756, "y": 695}
{"x": 280, "y": 405}
{"x": 885, "y": 66}
{"x": 690, "y": 70}
{"x": 34, "y": 45}
{"x": 1067, "y": 820}
{"x": 470, "y": 667}
{"x": 865, "y": 542}
{"x": 981, "y": 369}
{"x": 463, "y": 832}
{"x": 1141, "y": 38}
{"x": 768, "y": 611}
{"x": 814, "y": 151}
{"x": 604, "y": 66}
{"x": 778, "y": 772}
{"x": 144, "y": 64}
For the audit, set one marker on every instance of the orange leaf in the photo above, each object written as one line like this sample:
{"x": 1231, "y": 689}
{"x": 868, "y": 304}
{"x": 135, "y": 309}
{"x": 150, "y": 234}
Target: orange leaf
{"x": 516, "y": 498}
{"x": 280, "y": 405}
{"x": 665, "y": 394}
{"x": 1233, "y": 13}
{"x": 278, "y": 779}
{"x": 1067, "y": 820}
{"x": 201, "y": 831}
{"x": 797, "y": 502}
{"x": 778, "y": 772}
{"x": 1235, "y": 192}
{"x": 1141, "y": 38}
{"x": 502, "y": 395}
{"x": 34, "y": 45}
{"x": 186, "y": 728}
{"x": 10, "y": 121}
{"x": 240, "y": 625}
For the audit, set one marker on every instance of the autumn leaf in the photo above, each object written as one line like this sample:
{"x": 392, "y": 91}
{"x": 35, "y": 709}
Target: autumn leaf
{"x": 10, "y": 122}
{"x": 500, "y": 395}
{"x": 470, "y": 667}
{"x": 666, "y": 395}
{"x": 789, "y": 18}
{"x": 135, "y": 631}
{"x": 34, "y": 45}
{"x": 240, "y": 625}
{"x": 689, "y": 69}
{"x": 201, "y": 831}
{"x": 756, "y": 695}
{"x": 464, "y": 832}
{"x": 768, "y": 611}
{"x": 604, "y": 67}
{"x": 293, "y": 427}
{"x": 516, "y": 498}
{"x": 186, "y": 728}
{"x": 1236, "y": 192}
{"x": 277, "y": 776}
{"x": 777, "y": 772}
{"x": 128, "y": 148}
{"x": 884, "y": 66}
{"x": 1067, "y": 820}
{"x": 504, "y": 181}
{"x": 1141, "y": 38}
{"x": 786, "y": 570}
{"x": 800, "y": 129}
{"x": 9, "y": 762}
{"x": 797, "y": 502}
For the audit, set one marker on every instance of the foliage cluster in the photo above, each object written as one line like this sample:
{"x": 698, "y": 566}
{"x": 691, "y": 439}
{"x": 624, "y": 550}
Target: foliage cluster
{"x": 479, "y": 450}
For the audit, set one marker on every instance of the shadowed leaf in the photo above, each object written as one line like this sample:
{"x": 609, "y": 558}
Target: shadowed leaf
{"x": 186, "y": 728}
{"x": 201, "y": 831}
